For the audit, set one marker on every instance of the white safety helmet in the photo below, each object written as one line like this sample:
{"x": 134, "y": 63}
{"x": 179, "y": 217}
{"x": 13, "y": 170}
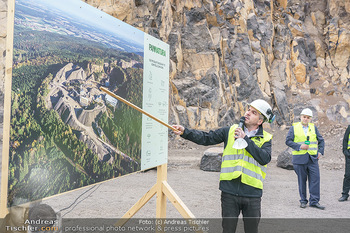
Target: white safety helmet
{"x": 306, "y": 112}
{"x": 264, "y": 108}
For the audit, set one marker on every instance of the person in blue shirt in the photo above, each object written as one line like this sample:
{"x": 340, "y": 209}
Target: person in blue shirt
{"x": 308, "y": 145}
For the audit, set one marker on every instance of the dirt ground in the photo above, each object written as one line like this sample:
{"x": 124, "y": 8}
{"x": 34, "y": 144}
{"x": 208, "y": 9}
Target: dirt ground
{"x": 199, "y": 189}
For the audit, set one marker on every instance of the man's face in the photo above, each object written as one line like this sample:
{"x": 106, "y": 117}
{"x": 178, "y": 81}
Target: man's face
{"x": 305, "y": 120}
{"x": 252, "y": 117}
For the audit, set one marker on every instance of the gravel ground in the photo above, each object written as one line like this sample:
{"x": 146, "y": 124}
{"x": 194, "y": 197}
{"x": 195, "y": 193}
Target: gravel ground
{"x": 199, "y": 190}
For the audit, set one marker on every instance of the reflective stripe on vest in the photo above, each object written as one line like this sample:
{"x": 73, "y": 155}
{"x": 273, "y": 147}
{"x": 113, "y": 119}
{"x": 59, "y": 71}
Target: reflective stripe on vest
{"x": 300, "y": 138}
{"x": 349, "y": 142}
{"x": 245, "y": 158}
{"x": 236, "y": 163}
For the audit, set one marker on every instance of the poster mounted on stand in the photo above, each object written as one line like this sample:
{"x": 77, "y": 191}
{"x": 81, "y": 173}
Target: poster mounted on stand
{"x": 65, "y": 133}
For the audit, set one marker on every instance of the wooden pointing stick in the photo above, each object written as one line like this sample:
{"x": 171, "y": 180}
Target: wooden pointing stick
{"x": 137, "y": 108}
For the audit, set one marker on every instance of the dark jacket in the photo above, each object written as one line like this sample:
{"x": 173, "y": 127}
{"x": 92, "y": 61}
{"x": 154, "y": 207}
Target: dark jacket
{"x": 295, "y": 146}
{"x": 346, "y": 151}
{"x": 261, "y": 155}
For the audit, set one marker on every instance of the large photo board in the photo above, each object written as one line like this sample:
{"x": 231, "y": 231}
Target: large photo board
{"x": 65, "y": 133}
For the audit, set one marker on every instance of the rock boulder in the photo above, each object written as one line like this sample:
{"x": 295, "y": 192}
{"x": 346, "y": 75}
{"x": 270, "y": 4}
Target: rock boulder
{"x": 284, "y": 160}
{"x": 211, "y": 160}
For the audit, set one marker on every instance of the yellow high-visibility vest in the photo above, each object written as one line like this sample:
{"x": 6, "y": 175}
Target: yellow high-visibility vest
{"x": 349, "y": 142}
{"x": 300, "y": 138}
{"x": 240, "y": 162}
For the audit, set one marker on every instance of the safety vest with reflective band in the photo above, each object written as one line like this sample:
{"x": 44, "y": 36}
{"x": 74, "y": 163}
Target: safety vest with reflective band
{"x": 240, "y": 162}
{"x": 349, "y": 142}
{"x": 300, "y": 138}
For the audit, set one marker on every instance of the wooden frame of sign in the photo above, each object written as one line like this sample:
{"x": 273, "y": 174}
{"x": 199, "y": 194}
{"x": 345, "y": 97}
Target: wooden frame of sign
{"x": 7, "y": 105}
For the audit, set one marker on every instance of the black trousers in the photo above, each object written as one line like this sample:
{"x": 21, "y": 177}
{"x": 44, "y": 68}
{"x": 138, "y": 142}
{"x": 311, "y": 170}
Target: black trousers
{"x": 346, "y": 181}
{"x": 232, "y": 206}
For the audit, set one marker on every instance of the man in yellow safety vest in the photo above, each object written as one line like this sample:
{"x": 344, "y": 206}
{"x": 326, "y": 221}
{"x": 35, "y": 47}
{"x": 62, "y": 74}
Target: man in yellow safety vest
{"x": 242, "y": 170}
{"x": 308, "y": 145}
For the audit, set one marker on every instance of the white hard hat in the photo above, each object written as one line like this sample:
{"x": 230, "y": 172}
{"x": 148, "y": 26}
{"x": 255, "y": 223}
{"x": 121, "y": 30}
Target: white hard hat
{"x": 307, "y": 112}
{"x": 264, "y": 108}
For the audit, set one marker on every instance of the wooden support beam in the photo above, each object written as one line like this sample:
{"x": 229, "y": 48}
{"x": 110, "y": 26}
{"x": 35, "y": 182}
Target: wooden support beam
{"x": 138, "y": 205}
{"x": 176, "y": 201}
{"x": 7, "y": 107}
{"x": 163, "y": 191}
{"x": 161, "y": 198}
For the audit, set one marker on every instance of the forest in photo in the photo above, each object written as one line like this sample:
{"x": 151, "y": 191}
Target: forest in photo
{"x": 65, "y": 132}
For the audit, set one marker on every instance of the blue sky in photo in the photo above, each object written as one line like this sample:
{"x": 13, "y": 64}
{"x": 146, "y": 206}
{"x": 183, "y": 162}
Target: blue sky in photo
{"x": 83, "y": 12}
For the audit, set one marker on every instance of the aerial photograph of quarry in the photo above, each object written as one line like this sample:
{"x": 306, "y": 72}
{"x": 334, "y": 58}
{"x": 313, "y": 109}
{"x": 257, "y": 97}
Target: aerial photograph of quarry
{"x": 65, "y": 132}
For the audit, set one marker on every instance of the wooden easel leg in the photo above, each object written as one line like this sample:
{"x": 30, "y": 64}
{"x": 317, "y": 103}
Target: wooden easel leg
{"x": 176, "y": 201}
{"x": 163, "y": 191}
{"x": 138, "y": 205}
{"x": 179, "y": 205}
{"x": 161, "y": 198}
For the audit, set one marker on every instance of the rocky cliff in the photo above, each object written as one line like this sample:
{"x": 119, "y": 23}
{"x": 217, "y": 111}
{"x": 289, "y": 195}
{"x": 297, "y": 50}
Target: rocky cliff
{"x": 224, "y": 54}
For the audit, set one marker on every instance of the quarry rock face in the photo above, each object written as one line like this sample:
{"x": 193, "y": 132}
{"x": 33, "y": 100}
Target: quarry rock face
{"x": 225, "y": 54}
